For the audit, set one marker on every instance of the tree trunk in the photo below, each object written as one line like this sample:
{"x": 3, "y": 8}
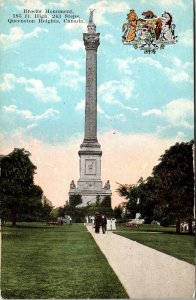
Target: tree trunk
{"x": 177, "y": 226}
{"x": 190, "y": 226}
{"x": 14, "y": 219}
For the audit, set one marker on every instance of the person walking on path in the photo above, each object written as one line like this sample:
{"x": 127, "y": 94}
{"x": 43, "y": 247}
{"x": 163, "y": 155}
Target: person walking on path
{"x": 103, "y": 223}
{"x": 98, "y": 219}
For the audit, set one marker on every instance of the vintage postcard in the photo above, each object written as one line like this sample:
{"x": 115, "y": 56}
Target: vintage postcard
{"x": 97, "y": 129}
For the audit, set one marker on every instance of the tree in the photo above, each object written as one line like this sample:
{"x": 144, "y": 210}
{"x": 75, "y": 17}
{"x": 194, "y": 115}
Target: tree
{"x": 46, "y": 209}
{"x": 77, "y": 213}
{"x": 146, "y": 199}
{"x": 75, "y": 200}
{"x": 174, "y": 180}
{"x": 98, "y": 200}
{"x": 118, "y": 212}
{"x": 61, "y": 211}
{"x": 18, "y": 193}
{"x": 54, "y": 213}
{"x": 167, "y": 195}
{"x": 130, "y": 193}
{"x": 106, "y": 202}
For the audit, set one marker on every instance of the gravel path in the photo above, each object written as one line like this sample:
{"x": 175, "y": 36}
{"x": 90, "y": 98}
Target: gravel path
{"x": 145, "y": 272}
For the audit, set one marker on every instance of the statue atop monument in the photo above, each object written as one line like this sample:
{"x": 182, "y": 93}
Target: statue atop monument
{"x": 107, "y": 185}
{"x": 91, "y": 26}
{"x": 91, "y": 16}
{"x": 72, "y": 185}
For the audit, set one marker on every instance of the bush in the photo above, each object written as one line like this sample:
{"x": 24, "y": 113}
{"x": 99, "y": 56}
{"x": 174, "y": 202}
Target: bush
{"x": 165, "y": 222}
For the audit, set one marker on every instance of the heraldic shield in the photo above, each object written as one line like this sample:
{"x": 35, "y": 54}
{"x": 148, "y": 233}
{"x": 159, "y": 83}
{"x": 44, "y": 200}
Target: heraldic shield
{"x": 149, "y": 33}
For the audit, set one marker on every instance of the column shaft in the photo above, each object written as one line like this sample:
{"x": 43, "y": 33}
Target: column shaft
{"x": 91, "y": 95}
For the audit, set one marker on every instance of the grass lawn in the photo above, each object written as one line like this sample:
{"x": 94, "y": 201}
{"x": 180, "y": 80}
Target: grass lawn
{"x": 55, "y": 262}
{"x": 163, "y": 239}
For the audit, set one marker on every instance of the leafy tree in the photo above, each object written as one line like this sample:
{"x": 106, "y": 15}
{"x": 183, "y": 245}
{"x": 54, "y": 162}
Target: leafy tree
{"x": 61, "y": 211}
{"x": 75, "y": 200}
{"x": 54, "y": 213}
{"x": 107, "y": 211}
{"x": 98, "y": 200}
{"x": 140, "y": 198}
{"x": 77, "y": 213}
{"x": 103, "y": 206}
{"x": 46, "y": 209}
{"x": 118, "y": 212}
{"x": 106, "y": 202}
{"x": 146, "y": 199}
{"x": 123, "y": 190}
{"x": 167, "y": 195}
{"x": 174, "y": 180}
{"x": 130, "y": 193}
{"x": 18, "y": 193}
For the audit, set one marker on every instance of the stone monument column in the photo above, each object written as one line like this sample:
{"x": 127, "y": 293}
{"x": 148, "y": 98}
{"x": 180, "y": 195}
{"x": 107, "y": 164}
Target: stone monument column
{"x": 91, "y": 43}
{"x": 89, "y": 185}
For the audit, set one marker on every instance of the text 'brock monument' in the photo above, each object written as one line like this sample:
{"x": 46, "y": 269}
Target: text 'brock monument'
{"x": 89, "y": 185}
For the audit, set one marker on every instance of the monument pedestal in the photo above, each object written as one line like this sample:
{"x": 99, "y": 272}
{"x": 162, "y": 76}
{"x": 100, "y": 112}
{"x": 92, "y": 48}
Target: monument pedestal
{"x": 89, "y": 186}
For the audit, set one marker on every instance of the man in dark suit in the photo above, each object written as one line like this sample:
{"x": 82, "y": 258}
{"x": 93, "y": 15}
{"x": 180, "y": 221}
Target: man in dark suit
{"x": 103, "y": 223}
{"x": 98, "y": 219}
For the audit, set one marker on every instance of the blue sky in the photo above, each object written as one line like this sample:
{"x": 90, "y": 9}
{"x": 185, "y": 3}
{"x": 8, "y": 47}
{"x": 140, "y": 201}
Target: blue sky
{"x": 43, "y": 77}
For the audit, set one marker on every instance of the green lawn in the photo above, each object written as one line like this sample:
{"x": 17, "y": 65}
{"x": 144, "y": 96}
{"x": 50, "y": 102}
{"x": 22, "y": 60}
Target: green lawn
{"x": 55, "y": 262}
{"x": 163, "y": 239}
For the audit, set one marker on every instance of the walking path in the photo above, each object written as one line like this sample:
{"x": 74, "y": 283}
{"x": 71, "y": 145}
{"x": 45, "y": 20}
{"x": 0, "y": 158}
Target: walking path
{"x": 145, "y": 272}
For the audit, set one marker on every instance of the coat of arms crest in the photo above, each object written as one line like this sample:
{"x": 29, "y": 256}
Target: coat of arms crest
{"x": 149, "y": 33}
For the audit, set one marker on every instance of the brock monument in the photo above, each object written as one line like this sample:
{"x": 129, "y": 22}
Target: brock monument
{"x": 89, "y": 185}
